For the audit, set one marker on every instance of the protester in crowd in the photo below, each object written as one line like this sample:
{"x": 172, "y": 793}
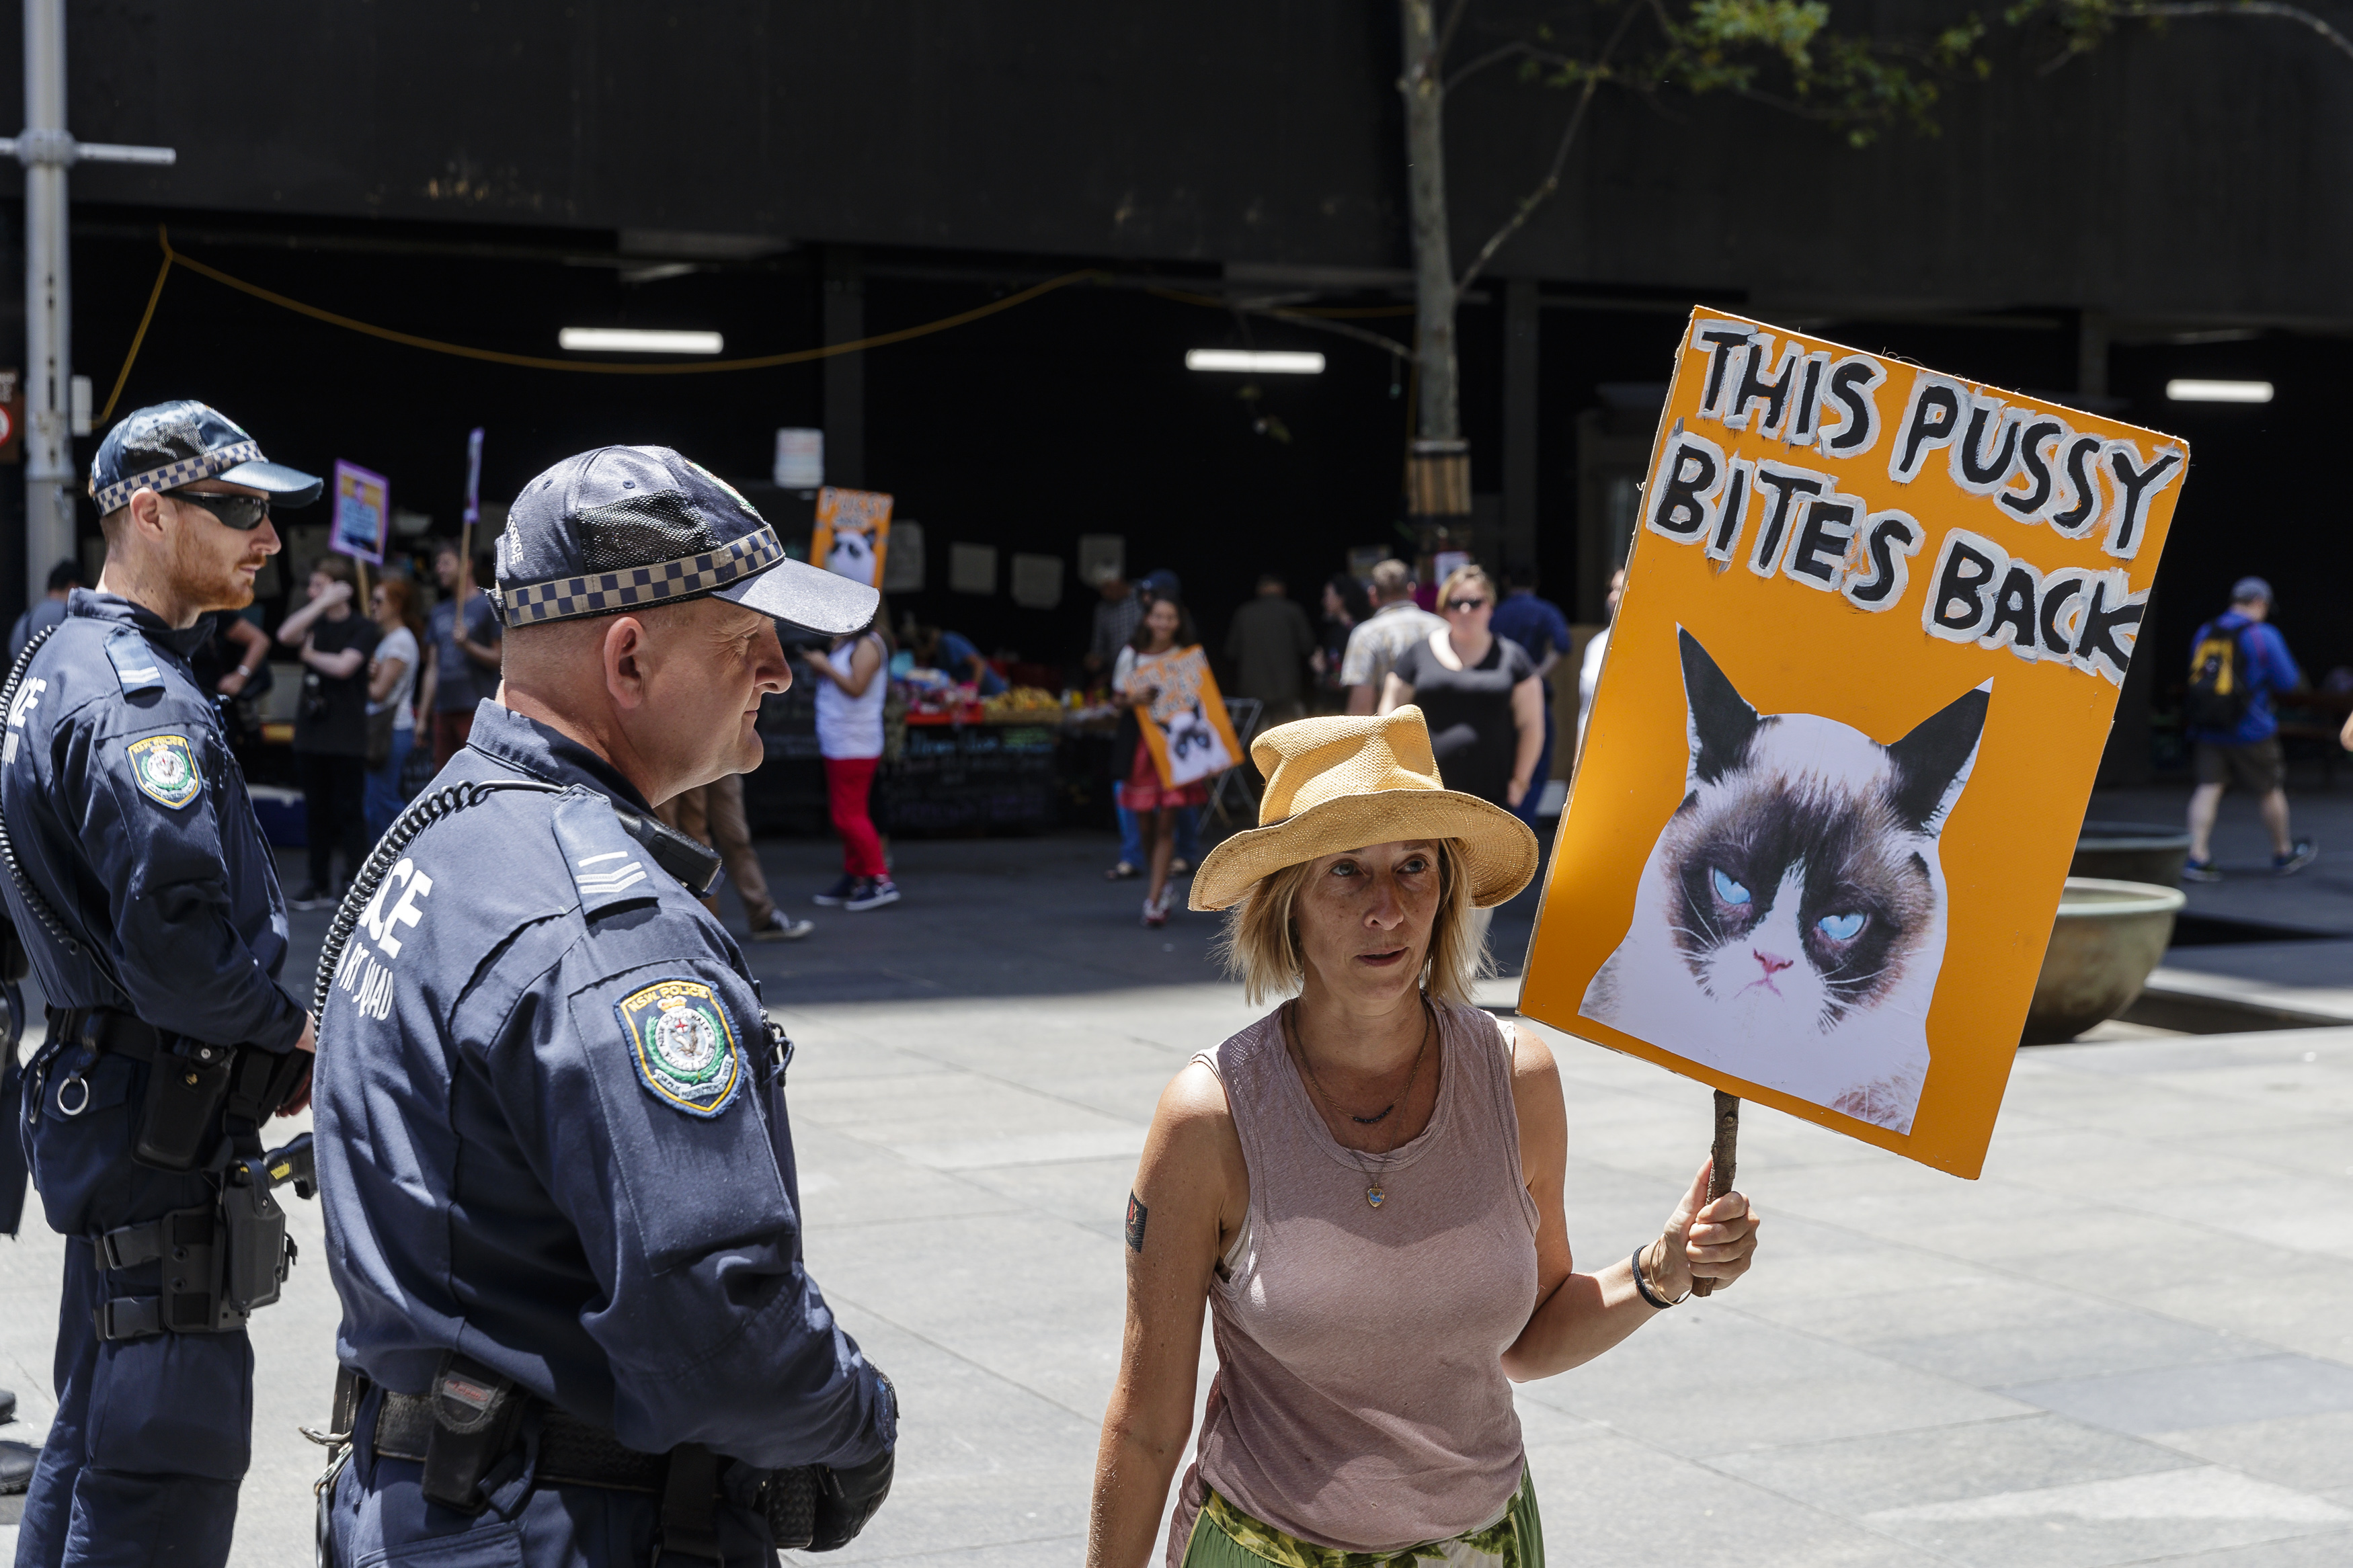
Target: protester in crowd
{"x": 392, "y": 698}
{"x": 1537, "y": 626}
{"x": 1162, "y": 583}
{"x": 64, "y": 578}
{"x": 1365, "y": 1187}
{"x": 938, "y": 649}
{"x": 1345, "y": 609}
{"x": 233, "y": 665}
{"x": 1269, "y": 644}
{"x": 1116, "y": 618}
{"x": 1374, "y": 647}
{"x": 461, "y": 652}
{"x": 851, "y": 688}
{"x": 714, "y": 814}
{"x": 1478, "y": 693}
{"x": 330, "y": 727}
{"x": 2238, "y": 660}
{"x": 1588, "y": 671}
{"x": 1166, "y": 628}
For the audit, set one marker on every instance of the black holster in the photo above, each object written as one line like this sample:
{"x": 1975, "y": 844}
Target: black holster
{"x": 221, "y": 1262}
{"x": 476, "y": 1415}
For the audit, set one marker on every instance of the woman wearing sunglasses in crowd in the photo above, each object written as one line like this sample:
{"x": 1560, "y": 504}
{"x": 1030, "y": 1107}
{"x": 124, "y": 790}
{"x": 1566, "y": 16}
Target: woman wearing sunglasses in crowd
{"x": 1479, "y": 693}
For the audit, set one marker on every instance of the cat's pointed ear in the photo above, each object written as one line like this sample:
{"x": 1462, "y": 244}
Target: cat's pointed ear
{"x": 1934, "y": 761}
{"x": 1722, "y": 722}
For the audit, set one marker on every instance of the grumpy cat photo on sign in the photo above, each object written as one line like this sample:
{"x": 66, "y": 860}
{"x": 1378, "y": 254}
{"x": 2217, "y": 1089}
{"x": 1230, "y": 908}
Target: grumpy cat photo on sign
{"x": 1789, "y": 924}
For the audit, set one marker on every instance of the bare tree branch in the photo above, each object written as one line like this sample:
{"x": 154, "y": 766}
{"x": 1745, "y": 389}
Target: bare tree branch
{"x": 1446, "y": 36}
{"x": 1551, "y": 182}
{"x": 2167, "y": 8}
{"x": 1492, "y": 57}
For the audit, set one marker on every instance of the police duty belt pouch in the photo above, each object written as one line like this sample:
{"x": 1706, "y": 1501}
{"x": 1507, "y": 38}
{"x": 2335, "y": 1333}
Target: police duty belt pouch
{"x": 179, "y": 1122}
{"x": 220, "y": 1262}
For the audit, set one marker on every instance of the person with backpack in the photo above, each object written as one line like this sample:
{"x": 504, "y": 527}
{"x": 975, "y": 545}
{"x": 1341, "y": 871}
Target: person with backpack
{"x": 2236, "y": 661}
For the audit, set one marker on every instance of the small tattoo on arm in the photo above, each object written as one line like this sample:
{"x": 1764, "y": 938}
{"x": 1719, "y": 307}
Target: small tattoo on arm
{"x": 1136, "y": 1214}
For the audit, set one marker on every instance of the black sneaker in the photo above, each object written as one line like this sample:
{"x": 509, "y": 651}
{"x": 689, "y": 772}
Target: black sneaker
{"x": 7, "y": 1406}
{"x": 2200, "y": 871}
{"x": 779, "y": 929}
{"x": 312, "y": 897}
{"x": 840, "y": 893}
{"x": 16, "y": 1463}
{"x": 873, "y": 894}
{"x": 2303, "y": 854}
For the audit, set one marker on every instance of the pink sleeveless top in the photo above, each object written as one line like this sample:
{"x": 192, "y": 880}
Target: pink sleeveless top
{"x": 1360, "y": 1401}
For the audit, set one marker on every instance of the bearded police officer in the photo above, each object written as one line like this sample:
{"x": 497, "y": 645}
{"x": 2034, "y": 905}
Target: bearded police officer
{"x": 139, "y": 881}
{"x": 561, "y": 1204}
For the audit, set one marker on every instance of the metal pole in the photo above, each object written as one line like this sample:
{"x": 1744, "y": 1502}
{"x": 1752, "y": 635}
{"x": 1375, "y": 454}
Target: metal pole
{"x": 46, "y": 150}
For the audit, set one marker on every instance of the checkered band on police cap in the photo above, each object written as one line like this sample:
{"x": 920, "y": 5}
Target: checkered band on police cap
{"x": 173, "y": 475}
{"x": 603, "y": 593}
{"x": 165, "y": 446}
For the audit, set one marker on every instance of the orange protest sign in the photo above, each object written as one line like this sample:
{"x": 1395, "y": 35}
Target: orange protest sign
{"x": 1185, "y": 724}
{"x": 852, "y": 534}
{"x": 1875, "y": 624}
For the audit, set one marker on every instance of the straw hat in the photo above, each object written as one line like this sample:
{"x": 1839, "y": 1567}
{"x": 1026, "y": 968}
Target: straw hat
{"x": 1340, "y": 783}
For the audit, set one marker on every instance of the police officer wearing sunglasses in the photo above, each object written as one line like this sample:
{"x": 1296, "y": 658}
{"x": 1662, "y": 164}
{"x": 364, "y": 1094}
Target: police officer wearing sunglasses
{"x": 145, "y": 896}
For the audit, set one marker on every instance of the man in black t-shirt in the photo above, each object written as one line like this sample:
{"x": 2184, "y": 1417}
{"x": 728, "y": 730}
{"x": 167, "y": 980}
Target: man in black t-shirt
{"x": 331, "y": 726}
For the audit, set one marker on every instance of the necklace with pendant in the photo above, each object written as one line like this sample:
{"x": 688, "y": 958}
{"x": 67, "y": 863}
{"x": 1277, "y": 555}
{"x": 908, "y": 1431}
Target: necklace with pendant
{"x": 1374, "y": 1195}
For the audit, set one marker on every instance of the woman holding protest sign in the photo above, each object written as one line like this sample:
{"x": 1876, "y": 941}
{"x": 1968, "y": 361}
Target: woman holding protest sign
{"x": 1158, "y": 656}
{"x": 1364, "y": 1187}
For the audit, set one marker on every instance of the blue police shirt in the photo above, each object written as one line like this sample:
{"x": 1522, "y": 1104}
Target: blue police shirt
{"x": 2266, "y": 667}
{"x": 1535, "y": 624}
{"x": 552, "y": 1133}
{"x": 130, "y": 814}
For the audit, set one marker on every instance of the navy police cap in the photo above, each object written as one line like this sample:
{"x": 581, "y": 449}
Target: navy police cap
{"x": 169, "y": 445}
{"x": 625, "y": 528}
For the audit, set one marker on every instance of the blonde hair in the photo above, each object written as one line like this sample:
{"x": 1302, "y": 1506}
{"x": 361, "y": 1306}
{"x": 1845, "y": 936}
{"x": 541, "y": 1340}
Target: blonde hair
{"x": 1463, "y": 576}
{"x": 1259, "y": 946}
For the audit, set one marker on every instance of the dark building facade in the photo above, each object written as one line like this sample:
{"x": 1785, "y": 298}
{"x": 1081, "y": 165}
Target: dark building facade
{"x": 796, "y": 176}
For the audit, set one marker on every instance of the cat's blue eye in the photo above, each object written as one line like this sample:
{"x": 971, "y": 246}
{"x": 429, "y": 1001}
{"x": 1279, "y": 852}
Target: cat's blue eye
{"x": 1730, "y": 892}
{"x": 1839, "y": 927}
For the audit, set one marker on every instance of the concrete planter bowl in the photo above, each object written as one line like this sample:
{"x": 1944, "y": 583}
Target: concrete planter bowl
{"x": 2130, "y": 852}
{"x": 2108, "y": 936}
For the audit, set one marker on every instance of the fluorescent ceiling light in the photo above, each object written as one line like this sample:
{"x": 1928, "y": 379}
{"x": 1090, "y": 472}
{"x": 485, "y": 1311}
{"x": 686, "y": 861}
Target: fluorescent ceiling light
{"x": 2218, "y": 391}
{"x": 1265, "y": 363}
{"x": 639, "y": 340}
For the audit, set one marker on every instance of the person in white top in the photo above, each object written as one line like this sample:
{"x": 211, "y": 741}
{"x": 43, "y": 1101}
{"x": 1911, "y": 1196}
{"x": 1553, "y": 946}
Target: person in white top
{"x": 392, "y": 685}
{"x": 1589, "y": 673}
{"x": 851, "y": 688}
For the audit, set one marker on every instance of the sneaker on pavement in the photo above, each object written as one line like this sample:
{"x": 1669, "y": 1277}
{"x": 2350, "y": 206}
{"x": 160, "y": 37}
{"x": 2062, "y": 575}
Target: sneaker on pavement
{"x": 7, "y": 1406}
{"x": 779, "y": 929}
{"x": 2305, "y": 853}
{"x": 876, "y": 892}
{"x": 840, "y": 893}
{"x": 1180, "y": 867}
{"x": 311, "y": 897}
{"x": 2200, "y": 871}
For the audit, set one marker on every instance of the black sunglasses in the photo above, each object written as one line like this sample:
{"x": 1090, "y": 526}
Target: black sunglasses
{"x": 244, "y": 513}
{"x": 1464, "y": 603}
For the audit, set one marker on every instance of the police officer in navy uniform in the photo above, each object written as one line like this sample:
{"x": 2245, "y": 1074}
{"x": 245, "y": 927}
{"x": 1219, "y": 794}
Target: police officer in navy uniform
{"x": 143, "y": 889}
{"x": 561, "y": 1204}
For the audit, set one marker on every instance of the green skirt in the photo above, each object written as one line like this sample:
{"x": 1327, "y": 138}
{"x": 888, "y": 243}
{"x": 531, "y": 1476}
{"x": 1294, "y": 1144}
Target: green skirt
{"x": 1225, "y": 1537}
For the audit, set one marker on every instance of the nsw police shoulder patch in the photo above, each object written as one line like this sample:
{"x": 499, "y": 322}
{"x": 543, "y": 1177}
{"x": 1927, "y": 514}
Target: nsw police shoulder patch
{"x": 165, "y": 769}
{"x": 685, "y": 1050}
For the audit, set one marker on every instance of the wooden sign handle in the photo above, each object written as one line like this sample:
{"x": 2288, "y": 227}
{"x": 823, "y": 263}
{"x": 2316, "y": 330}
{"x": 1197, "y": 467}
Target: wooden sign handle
{"x": 1726, "y": 1155}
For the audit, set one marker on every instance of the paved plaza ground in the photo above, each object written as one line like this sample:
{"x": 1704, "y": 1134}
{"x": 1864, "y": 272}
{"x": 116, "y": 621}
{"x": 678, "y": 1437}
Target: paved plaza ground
{"x": 2131, "y": 1341}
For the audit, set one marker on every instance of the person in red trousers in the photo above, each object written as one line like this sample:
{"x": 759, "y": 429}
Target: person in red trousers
{"x": 850, "y": 687}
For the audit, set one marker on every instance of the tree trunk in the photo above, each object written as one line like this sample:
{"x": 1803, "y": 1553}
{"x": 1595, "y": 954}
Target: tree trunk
{"x": 1422, "y": 82}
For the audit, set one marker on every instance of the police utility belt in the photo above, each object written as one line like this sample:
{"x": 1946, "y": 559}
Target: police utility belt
{"x": 474, "y": 1421}
{"x": 225, "y": 1260}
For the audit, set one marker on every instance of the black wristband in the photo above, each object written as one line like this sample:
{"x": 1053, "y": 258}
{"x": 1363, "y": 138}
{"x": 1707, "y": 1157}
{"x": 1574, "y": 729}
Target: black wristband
{"x": 1653, "y": 1297}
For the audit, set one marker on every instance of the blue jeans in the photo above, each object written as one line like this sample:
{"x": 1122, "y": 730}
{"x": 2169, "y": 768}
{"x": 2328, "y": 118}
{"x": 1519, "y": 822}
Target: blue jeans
{"x": 1189, "y": 835}
{"x": 382, "y": 802}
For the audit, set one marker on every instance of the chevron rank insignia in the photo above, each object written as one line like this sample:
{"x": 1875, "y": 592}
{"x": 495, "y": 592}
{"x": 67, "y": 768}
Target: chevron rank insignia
{"x": 685, "y": 1050}
{"x": 165, "y": 769}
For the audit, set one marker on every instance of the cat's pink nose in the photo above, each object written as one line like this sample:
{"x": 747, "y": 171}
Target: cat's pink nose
{"x": 1773, "y": 961}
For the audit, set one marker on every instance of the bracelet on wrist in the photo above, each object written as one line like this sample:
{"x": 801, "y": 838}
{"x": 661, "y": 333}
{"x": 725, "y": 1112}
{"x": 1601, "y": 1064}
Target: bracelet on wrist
{"x": 1643, "y": 1284}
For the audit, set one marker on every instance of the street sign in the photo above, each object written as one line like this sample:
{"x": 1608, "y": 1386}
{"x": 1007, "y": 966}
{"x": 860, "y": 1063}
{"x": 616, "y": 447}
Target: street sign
{"x": 1874, "y": 624}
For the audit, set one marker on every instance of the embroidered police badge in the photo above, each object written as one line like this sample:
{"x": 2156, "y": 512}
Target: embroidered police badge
{"x": 165, "y": 770}
{"x": 685, "y": 1049}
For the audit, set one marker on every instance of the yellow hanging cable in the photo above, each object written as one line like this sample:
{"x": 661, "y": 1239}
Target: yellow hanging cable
{"x": 592, "y": 367}
{"x": 140, "y": 336}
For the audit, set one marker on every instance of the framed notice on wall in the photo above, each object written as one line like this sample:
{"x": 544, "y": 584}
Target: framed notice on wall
{"x": 1875, "y": 621}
